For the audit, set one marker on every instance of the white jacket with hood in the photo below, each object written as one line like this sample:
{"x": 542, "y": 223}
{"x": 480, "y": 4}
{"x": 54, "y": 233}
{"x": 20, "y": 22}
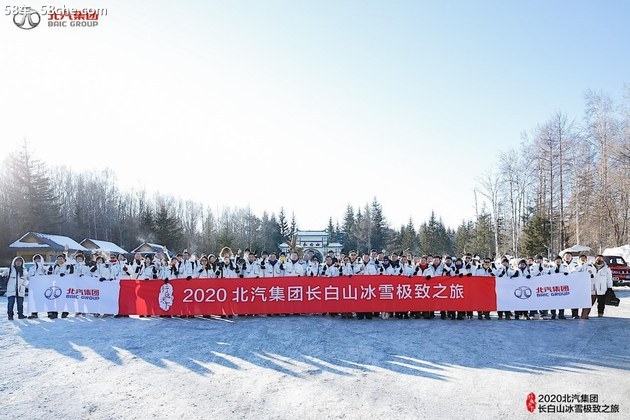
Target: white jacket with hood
{"x": 17, "y": 281}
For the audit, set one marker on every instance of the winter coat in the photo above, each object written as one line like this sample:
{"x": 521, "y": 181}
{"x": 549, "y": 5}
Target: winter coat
{"x": 276, "y": 270}
{"x": 61, "y": 270}
{"x": 17, "y": 283}
{"x": 251, "y": 270}
{"x": 538, "y": 270}
{"x": 204, "y": 272}
{"x": 297, "y": 268}
{"x": 329, "y": 271}
{"x": 101, "y": 271}
{"x": 372, "y": 268}
{"x": 118, "y": 269}
{"x": 503, "y": 272}
{"x": 602, "y": 281}
{"x": 187, "y": 268}
{"x": 81, "y": 269}
{"x": 559, "y": 269}
{"x": 434, "y": 271}
{"x": 312, "y": 269}
{"x": 38, "y": 269}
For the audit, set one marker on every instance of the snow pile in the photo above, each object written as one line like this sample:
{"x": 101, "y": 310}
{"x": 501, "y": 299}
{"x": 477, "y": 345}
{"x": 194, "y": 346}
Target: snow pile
{"x": 622, "y": 251}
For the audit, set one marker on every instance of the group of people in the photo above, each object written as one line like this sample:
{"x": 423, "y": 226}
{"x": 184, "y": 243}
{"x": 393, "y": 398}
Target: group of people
{"x": 248, "y": 264}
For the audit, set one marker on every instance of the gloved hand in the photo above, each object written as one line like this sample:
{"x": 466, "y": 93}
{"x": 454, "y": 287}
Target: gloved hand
{"x": 429, "y": 277}
{"x": 468, "y": 274}
{"x": 189, "y": 278}
{"x": 165, "y": 281}
{"x": 528, "y": 276}
{"x": 101, "y": 279}
{"x": 155, "y": 277}
{"x": 566, "y": 274}
{"x": 62, "y": 274}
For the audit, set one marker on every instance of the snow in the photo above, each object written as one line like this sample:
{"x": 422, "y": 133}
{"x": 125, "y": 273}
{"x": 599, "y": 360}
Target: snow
{"x": 107, "y": 246}
{"x": 309, "y": 367}
{"x": 621, "y": 251}
{"x": 63, "y": 240}
{"x": 60, "y": 240}
{"x": 18, "y": 244}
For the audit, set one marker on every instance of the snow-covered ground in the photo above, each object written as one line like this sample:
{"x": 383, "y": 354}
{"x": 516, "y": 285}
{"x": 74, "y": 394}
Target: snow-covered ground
{"x": 309, "y": 367}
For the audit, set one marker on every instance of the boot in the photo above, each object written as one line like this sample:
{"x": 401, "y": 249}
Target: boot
{"x": 33, "y": 316}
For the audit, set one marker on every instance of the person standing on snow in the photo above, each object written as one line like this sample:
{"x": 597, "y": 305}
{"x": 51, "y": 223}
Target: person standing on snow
{"x": 16, "y": 287}
{"x": 36, "y": 270}
{"x": 601, "y": 283}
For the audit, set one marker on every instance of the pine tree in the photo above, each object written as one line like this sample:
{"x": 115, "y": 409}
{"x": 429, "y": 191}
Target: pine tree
{"x": 378, "y": 226}
{"x": 32, "y": 202}
{"x": 167, "y": 229}
{"x": 537, "y": 236}
{"x": 284, "y": 226}
{"x": 331, "y": 231}
{"x": 293, "y": 227}
{"x": 349, "y": 240}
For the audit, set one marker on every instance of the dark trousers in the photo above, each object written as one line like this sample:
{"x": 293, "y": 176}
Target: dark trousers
{"x": 11, "y": 304}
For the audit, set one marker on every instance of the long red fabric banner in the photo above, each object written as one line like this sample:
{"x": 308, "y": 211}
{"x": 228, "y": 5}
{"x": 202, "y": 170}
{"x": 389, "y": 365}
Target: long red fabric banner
{"x": 291, "y": 295}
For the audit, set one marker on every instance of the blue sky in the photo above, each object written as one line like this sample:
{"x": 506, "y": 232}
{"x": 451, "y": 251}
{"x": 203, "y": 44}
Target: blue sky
{"x": 309, "y": 105}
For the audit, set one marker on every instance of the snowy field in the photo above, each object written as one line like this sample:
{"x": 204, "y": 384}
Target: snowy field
{"x": 308, "y": 367}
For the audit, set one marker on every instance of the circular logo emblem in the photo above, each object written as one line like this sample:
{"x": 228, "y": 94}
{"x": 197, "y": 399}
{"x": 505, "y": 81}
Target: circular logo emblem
{"x": 52, "y": 293}
{"x": 523, "y": 292}
{"x": 27, "y": 18}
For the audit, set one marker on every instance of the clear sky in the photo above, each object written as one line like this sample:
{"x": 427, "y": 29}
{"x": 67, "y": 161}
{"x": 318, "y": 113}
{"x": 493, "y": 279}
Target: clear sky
{"x": 306, "y": 105}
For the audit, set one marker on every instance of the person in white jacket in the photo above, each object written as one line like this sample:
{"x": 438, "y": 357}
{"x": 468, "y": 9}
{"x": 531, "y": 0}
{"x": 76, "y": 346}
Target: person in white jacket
{"x": 16, "y": 287}
{"x": 504, "y": 271}
{"x": 273, "y": 267}
{"x": 329, "y": 269}
{"x": 187, "y": 267}
{"x": 204, "y": 270}
{"x": 294, "y": 266}
{"x": 38, "y": 269}
{"x": 60, "y": 268}
{"x": 559, "y": 267}
{"x": 435, "y": 269}
{"x": 313, "y": 267}
{"x": 118, "y": 267}
{"x": 483, "y": 270}
{"x": 601, "y": 283}
{"x": 251, "y": 268}
{"x": 80, "y": 267}
{"x": 100, "y": 270}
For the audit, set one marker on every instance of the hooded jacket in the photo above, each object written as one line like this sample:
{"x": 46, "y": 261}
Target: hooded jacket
{"x": 37, "y": 269}
{"x": 18, "y": 279}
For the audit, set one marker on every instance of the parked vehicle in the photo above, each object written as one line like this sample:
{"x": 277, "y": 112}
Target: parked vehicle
{"x": 4, "y": 277}
{"x": 620, "y": 270}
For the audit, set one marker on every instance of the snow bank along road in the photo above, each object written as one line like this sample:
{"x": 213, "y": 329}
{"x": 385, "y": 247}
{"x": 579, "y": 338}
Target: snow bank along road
{"x": 309, "y": 367}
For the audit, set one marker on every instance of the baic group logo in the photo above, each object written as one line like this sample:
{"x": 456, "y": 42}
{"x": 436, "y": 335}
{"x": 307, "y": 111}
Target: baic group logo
{"x": 27, "y": 18}
{"x": 523, "y": 292}
{"x": 52, "y": 293}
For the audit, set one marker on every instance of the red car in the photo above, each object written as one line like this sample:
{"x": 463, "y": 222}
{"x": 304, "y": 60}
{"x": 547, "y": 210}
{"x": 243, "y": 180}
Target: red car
{"x": 620, "y": 270}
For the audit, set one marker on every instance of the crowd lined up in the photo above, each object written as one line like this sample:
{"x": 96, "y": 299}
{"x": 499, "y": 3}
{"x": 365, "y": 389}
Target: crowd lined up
{"x": 248, "y": 264}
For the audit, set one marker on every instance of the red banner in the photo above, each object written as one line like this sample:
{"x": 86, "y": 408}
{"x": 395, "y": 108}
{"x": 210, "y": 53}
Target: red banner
{"x": 291, "y": 295}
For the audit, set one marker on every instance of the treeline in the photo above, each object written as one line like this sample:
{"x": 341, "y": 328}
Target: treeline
{"x": 36, "y": 197}
{"x": 568, "y": 182}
